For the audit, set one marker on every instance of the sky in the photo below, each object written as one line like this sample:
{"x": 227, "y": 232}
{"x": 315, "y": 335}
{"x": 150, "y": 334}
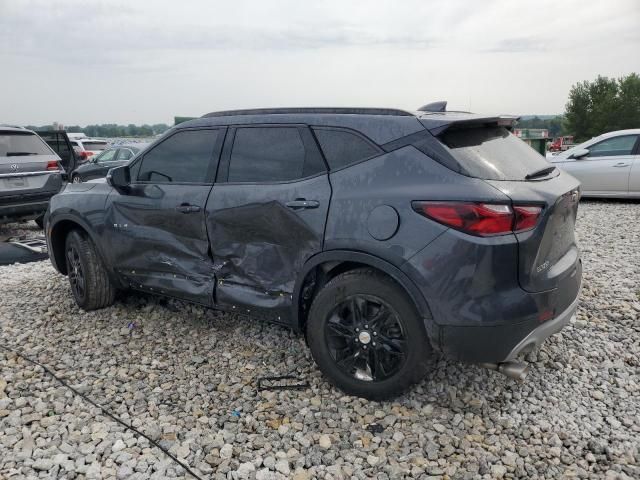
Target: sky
{"x": 88, "y": 62}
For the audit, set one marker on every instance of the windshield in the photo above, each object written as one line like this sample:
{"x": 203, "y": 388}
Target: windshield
{"x": 17, "y": 144}
{"x": 493, "y": 153}
{"x": 91, "y": 145}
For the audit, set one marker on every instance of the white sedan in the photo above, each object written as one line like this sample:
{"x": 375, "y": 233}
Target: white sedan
{"x": 607, "y": 166}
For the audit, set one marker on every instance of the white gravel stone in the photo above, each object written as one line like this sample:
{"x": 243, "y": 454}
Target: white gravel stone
{"x": 187, "y": 377}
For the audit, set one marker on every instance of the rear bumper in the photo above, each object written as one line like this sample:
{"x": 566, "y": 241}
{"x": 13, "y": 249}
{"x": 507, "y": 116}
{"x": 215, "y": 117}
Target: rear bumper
{"x": 544, "y": 331}
{"x": 500, "y": 343}
{"x": 24, "y": 208}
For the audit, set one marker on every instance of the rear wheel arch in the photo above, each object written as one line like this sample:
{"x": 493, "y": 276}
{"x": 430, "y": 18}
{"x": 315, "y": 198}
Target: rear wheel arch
{"x": 323, "y": 267}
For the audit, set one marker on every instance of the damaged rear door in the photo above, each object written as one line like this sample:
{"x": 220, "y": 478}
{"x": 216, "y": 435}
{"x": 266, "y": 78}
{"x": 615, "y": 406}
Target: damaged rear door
{"x": 156, "y": 229}
{"x": 266, "y": 216}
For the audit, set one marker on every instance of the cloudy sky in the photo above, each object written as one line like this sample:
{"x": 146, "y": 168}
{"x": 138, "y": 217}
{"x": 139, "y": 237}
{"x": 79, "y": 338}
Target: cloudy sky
{"x": 80, "y": 62}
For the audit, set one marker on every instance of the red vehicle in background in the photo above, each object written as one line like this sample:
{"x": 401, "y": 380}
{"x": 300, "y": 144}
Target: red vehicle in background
{"x": 560, "y": 144}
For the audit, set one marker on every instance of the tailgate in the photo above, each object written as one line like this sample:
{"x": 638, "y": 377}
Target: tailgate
{"x": 548, "y": 254}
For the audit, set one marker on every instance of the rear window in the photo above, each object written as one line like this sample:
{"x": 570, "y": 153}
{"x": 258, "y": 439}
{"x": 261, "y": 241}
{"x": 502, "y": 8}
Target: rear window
{"x": 492, "y": 153}
{"x": 19, "y": 144}
{"x": 94, "y": 145}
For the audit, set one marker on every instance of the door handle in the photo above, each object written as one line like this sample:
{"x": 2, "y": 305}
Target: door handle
{"x": 300, "y": 203}
{"x": 622, "y": 164}
{"x": 187, "y": 208}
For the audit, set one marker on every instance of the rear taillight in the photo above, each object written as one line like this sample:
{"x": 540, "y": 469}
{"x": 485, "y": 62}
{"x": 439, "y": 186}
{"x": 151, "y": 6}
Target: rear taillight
{"x": 481, "y": 219}
{"x": 84, "y": 154}
{"x": 526, "y": 217}
{"x": 52, "y": 165}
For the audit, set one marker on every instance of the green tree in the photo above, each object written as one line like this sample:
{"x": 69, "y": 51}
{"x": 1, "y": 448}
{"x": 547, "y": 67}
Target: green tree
{"x": 604, "y": 105}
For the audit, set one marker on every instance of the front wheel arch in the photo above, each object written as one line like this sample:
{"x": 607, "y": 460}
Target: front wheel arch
{"x": 58, "y": 237}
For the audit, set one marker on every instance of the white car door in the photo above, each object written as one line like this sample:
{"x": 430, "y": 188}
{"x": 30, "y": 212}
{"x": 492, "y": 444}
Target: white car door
{"x": 606, "y": 169}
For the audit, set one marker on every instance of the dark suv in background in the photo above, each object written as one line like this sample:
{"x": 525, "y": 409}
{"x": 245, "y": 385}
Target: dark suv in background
{"x": 379, "y": 233}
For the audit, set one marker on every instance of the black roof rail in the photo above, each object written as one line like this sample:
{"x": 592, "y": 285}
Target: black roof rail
{"x": 336, "y": 110}
{"x": 434, "y": 107}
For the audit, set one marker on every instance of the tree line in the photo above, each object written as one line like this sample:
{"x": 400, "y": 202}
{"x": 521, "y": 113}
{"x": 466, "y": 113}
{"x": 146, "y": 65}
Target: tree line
{"x": 595, "y": 107}
{"x": 111, "y": 129}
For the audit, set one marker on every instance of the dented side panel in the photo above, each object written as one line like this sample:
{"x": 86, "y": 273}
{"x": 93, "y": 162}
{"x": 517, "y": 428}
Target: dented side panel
{"x": 259, "y": 244}
{"x": 156, "y": 247}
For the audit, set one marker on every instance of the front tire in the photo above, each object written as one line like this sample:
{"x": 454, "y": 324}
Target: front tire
{"x": 366, "y": 335}
{"x": 89, "y": 281}
{"x": 76, "y": 179}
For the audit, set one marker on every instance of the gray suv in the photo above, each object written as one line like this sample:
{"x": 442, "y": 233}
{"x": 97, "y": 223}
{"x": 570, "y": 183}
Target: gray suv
{"x": 381, "y": 234}
{"x": 30, "y": 174}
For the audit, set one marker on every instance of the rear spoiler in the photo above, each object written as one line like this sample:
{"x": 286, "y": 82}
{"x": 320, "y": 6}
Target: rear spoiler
{"x": 437, "y": 126}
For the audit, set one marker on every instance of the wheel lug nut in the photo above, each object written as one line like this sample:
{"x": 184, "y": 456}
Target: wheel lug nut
{"x": 366, "y": 326}
{"x": 374, "y": 344}
{"x": 357, "y": 329}
{"x": 375, "y": 333}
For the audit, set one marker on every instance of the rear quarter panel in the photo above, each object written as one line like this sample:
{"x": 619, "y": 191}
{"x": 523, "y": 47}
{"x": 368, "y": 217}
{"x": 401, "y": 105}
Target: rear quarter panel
{"x": 394, "y": 179}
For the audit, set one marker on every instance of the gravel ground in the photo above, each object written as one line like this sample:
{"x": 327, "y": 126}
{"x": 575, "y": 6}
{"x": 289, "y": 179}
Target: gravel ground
{"x": 186, "y": 378}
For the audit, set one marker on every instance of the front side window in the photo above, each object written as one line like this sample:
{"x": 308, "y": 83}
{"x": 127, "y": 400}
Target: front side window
{"x": 267, "y": 154}
{"x": 613, "y": 146}
{"x": 107, "y": 156}
{"x": 184, "y": 157}
{"x": 343, "y": 148}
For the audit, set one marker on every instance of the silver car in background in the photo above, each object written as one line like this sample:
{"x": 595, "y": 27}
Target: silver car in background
{"x": 607, "y": 166}
{"x": 30, "y": 174}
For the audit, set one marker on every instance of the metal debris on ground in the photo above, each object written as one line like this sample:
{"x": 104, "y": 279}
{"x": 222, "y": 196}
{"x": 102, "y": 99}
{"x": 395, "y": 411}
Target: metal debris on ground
{"x": 282, "y": 382}
{"x": 374, "y": 428}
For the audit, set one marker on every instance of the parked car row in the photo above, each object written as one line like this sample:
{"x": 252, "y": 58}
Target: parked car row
{"x": 607, "y": 166}
{"x": 34, "y": 166}
{"x": 99, "y": 165}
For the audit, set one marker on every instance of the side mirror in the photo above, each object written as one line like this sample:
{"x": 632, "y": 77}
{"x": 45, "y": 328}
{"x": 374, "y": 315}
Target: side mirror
{"x": 580, "y": 153}
{"x": 119, "y": 177}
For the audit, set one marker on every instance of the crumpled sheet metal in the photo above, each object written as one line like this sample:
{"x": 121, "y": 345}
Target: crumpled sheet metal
{"x": 258, "y": 251}
{"x": 166, "y": 258}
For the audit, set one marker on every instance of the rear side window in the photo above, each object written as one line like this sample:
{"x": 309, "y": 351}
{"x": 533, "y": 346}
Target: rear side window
{"x": 184, "y": 157}
{"x": 270, "y": 154}
{"x": 613, "y": 146}
{"x": 19, "y": 144}
{"x": 492, "y": 153}
{"x": 342, "y": 148}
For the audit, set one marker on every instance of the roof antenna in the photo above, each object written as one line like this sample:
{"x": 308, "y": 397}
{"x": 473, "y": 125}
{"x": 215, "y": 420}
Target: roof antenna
{"x": 434, "y": 107}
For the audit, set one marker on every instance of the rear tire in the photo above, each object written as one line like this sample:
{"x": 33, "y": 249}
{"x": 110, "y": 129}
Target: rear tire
{"x": 371, "y": 318}
{"x": 89, "y": 281}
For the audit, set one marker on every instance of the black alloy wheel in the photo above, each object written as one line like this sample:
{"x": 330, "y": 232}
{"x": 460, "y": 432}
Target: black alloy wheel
{"x": 365, "y": 338}
{"x": 366, "y": 335}
{"x": 75, "y": 272}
